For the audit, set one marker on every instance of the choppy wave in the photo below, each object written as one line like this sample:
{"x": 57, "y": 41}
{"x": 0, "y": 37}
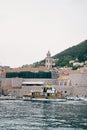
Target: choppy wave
{"x": 24, "y": 115}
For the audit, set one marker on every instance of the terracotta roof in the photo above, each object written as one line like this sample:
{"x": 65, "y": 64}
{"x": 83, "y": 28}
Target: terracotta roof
{"x": 33, "y": 69}
{"x": 3, "y": 72}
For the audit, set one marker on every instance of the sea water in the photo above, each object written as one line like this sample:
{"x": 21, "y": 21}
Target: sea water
{"x": 28, "y": 115}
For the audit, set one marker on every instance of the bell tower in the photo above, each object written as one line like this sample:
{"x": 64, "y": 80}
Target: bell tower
{"x": 48, "y": 60}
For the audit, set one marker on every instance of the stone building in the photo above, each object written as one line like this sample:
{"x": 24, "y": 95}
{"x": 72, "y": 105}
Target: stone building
{"x": 79, "y": 83}
{"x": 14, "y": 87}
{"x": 75, "y": 84}
{"x": 64, "y": 85}
{"x": 48, "y": 60}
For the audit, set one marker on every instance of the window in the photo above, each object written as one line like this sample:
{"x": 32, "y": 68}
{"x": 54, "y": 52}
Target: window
{"x": 65, "y": 83}
{"x": 65, "y": 91}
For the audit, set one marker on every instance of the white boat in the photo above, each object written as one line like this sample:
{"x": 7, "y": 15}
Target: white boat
{"x": 48, "y": 94}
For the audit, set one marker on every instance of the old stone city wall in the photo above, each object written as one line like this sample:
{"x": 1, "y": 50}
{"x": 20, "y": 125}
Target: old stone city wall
{"x": 76, "y": 85}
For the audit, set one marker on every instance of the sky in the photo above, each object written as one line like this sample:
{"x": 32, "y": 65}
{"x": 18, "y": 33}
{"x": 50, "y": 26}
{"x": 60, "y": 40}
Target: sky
{"x": 29, "y": 28}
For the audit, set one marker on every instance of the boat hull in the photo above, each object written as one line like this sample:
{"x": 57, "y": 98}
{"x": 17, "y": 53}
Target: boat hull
{"x": 44, "y": 99}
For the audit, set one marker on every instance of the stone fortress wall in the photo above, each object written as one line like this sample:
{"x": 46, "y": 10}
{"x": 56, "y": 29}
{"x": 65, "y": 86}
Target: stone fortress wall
{"x": 73, "y": 85}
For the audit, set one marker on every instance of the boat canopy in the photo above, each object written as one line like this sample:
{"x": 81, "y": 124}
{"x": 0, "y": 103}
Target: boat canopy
{"x": 48, "y": 86}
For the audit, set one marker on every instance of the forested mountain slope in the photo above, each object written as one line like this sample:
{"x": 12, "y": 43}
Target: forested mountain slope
{"x": 79, "y": 51}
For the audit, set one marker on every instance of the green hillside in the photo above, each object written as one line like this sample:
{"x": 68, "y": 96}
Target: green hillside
{"x": 79, "y": 51}
{"x": 62, "y": 59}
